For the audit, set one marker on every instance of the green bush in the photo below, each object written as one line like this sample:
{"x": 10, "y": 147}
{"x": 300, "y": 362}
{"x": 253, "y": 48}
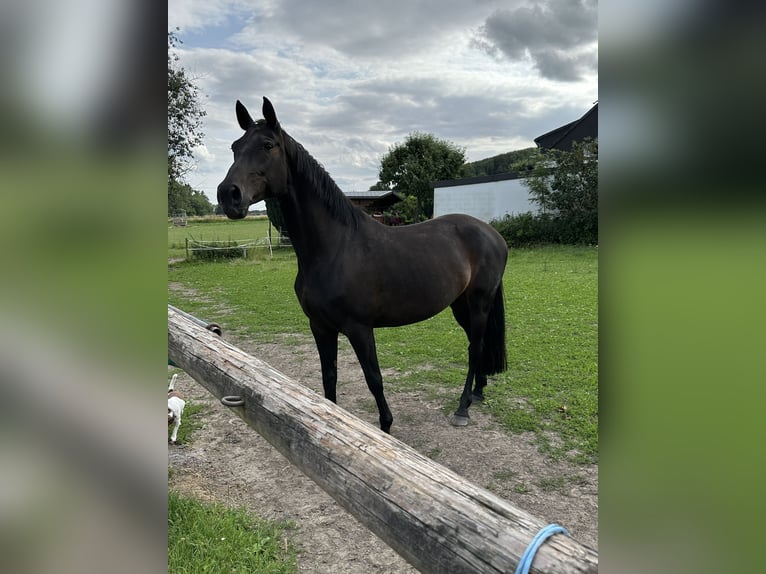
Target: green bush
{"x": 525, "y": 229}
{"x": 528, "y": 229}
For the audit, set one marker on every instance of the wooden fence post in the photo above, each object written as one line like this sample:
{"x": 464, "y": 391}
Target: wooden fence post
{"x": 434, "y": 518}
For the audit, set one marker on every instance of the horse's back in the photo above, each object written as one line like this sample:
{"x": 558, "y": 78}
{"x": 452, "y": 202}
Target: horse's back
{"x": 477, "y": 234}
{"x": 465, "y": 221}
{"x": 452, "y": 241}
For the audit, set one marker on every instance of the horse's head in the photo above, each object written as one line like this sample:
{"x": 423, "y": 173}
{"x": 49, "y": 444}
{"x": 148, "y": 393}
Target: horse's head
{"x": 260, "y": 166}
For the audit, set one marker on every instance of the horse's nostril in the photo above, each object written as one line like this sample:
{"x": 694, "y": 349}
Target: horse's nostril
{"x": 229, "y": 194}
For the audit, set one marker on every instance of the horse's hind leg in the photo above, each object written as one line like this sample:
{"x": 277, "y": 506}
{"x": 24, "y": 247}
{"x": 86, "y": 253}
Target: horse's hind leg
{"x": 477, "y": 395}
{"x": 460, "y": 418}
{"x": 473, "y": 322}
{"x": 362, "y": 340}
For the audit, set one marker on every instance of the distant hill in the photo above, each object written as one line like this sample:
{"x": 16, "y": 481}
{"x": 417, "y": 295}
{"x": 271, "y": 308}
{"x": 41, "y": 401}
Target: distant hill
{"x": 518, "y": 160}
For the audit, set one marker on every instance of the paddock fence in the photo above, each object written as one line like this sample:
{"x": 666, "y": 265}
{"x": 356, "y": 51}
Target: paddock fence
{"x": 431, "y": 516}
{"x": 215, "y": 249}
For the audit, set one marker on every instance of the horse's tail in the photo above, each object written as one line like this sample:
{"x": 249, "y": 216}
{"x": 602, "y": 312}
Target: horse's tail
{"x": 494, "y": 358}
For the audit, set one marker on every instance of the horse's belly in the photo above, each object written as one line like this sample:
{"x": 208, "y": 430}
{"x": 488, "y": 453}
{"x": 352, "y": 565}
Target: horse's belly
{"x": 406, "y": 307}
{"x": 380, "y": 295}
{"x": 397, "y": 319}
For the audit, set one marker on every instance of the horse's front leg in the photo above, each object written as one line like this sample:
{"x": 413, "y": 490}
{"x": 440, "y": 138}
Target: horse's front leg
{"x": 327, "y": 345}
{"x": 362, "y": 340}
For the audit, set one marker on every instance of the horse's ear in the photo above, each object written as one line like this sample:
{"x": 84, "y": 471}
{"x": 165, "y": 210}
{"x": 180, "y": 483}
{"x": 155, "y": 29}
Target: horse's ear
{"x": 243, "y": 116}
{"x": 270, "y": 114}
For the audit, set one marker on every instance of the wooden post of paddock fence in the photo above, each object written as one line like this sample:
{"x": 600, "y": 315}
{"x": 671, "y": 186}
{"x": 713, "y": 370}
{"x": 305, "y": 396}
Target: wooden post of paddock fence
{"x": 432, "y": 517}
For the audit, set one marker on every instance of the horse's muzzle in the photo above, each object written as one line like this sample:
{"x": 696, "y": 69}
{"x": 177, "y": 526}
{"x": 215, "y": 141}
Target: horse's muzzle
{"x": 230, "y": 199}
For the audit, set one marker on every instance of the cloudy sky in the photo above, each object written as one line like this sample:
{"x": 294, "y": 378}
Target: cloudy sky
{"x": 349, "y": 79}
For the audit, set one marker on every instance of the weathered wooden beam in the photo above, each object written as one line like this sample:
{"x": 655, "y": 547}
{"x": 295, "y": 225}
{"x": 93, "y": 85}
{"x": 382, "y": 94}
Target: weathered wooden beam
{"x": 431, "y": 516}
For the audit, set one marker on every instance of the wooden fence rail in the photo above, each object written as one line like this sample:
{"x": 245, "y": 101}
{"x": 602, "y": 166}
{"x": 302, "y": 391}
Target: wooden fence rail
{"x": 431, "y": 516}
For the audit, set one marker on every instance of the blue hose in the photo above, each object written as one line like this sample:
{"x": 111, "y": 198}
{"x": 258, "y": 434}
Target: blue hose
{"x": 529, "y": 554}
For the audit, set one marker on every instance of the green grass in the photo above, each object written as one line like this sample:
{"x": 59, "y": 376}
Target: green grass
{"x": 206, "y": 538}
{"x": 251, "y": 298}
{"x": 552, "y": 306}
{"x": 551, "y": 299}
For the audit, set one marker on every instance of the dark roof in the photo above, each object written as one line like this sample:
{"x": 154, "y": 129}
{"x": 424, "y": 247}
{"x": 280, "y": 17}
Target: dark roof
{"x": 371, "y": 194}
{"x": 478, "y": 179}
{"x": 375, "y": 200}
{"x": 562, "y": 138}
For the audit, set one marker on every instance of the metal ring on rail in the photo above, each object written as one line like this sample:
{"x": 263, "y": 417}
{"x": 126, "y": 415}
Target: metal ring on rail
{"x": 215, "y": 328}
{"x": 233, "y": 401}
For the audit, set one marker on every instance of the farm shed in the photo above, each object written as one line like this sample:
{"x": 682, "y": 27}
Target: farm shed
{"x": 485, "y": 197}
{"x": 374, "y": 201}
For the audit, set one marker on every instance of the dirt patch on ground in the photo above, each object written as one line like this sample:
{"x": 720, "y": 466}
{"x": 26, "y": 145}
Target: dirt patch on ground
{"x": 228, "y": 462}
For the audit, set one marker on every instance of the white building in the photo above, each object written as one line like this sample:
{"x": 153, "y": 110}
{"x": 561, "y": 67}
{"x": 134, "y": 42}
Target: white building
{"x": 485, "y": 197}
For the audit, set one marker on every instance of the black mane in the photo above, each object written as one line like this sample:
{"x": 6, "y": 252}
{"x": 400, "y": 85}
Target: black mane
{"x": 316, "y": 177}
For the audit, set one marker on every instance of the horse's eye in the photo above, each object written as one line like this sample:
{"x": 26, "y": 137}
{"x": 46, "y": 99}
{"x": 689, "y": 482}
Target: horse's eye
{"x": 268, "y": 145}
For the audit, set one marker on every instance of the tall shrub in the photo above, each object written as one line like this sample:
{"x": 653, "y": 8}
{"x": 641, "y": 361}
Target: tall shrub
{"x": 565, "y": 185}
{"x": 526, "y": 229}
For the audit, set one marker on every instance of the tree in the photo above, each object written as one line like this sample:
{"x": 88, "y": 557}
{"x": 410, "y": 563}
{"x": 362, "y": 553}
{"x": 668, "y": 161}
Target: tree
{"x": 200, "y": 204}
{"x": 378, "y": 186}
{"x": 181, "y": 196}
{"x": 565, "y": 185}
{"x": 184, "y": 120}
{"x": 412, "y": 167}
{"x": 519, "y": 160}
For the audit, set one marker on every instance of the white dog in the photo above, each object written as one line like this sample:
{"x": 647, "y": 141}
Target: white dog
{"x": 176, "y": 405}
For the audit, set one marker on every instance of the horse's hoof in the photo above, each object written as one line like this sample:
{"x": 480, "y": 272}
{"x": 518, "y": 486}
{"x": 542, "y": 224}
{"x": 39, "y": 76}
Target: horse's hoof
{"x": 477, "y": 398}
{"x": 459, "y": 421}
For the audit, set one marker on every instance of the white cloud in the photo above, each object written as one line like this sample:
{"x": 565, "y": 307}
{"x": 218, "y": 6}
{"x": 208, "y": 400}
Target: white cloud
{"x": 559, "y": 36}
{"x": 202, "y": 153}
{"x": 198, "y": 14}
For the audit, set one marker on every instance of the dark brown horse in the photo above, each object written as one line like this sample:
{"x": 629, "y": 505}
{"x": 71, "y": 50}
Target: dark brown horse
{"x": 355, "y": 275}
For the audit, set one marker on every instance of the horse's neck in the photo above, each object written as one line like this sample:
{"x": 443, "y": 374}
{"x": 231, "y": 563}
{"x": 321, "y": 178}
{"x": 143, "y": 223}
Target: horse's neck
{"x": 314, "y": 208}
{"x": 313, "y": 229}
